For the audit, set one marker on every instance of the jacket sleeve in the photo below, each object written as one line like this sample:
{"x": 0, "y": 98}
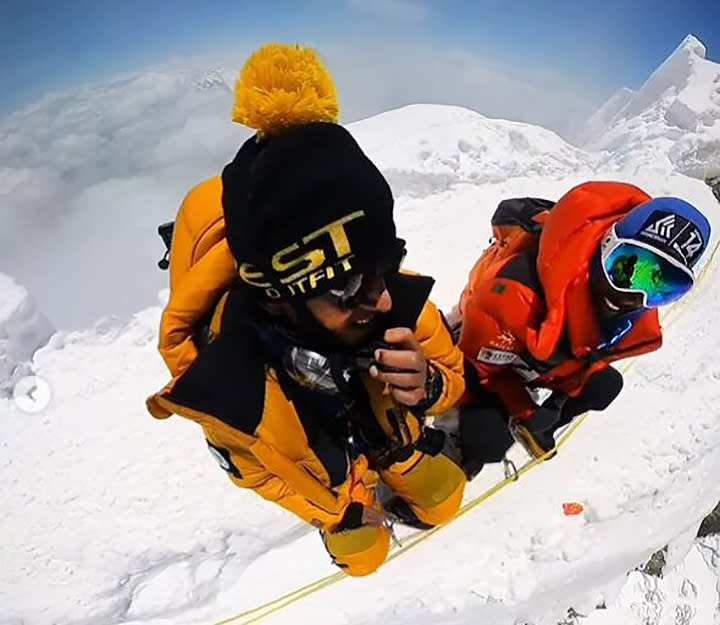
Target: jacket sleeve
{"x": 285, "y": 483}
{"x": 513, "y": 393}
{"x": 442, "y": 356}
{"x": 252, "y": 460}
{"x": 191, "y": 299}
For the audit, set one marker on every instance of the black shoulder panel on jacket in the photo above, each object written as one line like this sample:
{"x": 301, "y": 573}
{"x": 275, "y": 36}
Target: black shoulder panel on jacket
{"x": 523, "y": 269}
{"x": 227, "y": 379}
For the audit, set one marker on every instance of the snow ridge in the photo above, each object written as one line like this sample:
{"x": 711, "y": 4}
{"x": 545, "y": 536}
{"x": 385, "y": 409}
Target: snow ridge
{"x": 598, "y": 123}
{"x": 432, "y": 148}
{"x": 671, "y": 124}
{"x": 23, "y": 329}
{"x": 675, "y": 73}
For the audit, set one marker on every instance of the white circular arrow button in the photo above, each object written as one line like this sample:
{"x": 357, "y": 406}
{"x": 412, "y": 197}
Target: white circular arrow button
{"x": 31, "y": 394}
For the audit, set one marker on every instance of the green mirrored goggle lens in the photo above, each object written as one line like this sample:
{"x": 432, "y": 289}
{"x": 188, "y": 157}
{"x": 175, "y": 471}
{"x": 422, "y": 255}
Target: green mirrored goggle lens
{"x": 635, "y": 268}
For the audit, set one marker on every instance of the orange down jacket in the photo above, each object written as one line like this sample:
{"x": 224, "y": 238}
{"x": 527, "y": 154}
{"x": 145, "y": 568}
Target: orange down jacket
{"x": 262, "y": 436}
{"x": 529, "y": 319}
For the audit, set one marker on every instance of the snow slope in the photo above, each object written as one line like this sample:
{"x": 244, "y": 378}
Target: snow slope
{"x": 112, "y": 517}
{"x": 433, "y": 148}
{"x": 672, "y": 122}
{"x": 119, "y": 518}
{"x": 686, "y": 595}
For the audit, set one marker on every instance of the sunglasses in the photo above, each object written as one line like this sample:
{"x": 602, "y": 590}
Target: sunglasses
{"x": 635, "y": 267}
{"x": 367, "y": 287}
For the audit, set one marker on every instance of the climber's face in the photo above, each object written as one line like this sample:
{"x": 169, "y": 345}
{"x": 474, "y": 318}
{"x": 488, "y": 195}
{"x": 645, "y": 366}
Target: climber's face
{"x": 351, "y": 314}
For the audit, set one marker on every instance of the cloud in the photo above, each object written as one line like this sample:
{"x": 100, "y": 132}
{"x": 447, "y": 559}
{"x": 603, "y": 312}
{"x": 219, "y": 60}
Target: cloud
{"x": 374, "y": 78}
{"x": 405, "y": 10}
{"x": 86, "y": 176}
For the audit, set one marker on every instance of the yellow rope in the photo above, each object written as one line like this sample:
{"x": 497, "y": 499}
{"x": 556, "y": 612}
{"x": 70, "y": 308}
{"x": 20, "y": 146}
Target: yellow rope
{"x": 260, "y": 613}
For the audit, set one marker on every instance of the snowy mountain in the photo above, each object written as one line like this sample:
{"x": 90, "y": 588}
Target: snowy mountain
{"x": 598, "y": 123}
{"x": 671, "y": 123}
{"x": 434, "y": 147}
{"x": 112, "y": 517}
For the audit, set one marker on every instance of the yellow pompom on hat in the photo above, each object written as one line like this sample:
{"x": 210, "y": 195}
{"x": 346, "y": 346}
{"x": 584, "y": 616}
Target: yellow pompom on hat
{"x": 282, "y": 86}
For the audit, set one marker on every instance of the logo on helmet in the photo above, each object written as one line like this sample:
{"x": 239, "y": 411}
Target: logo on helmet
{"x": 674, "y": 234}
{"x": 662, "y": 228}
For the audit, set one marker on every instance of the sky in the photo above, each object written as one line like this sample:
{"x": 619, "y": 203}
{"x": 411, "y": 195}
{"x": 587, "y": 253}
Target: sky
{"x": 593, "y": 47}
{"x": 109, "y": 113}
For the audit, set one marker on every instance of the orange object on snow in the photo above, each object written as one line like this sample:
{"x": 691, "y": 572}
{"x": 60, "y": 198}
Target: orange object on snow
{"x": 572, "y": 509}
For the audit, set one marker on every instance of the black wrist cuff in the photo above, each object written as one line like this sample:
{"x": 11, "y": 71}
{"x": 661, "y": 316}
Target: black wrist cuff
{"x": 352, "y": 519}
{"x": 431, "y": 441}
{"x": 433, "y": 391}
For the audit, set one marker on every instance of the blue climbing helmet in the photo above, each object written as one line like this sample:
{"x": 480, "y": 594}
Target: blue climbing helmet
{"x": 652, "y": 251}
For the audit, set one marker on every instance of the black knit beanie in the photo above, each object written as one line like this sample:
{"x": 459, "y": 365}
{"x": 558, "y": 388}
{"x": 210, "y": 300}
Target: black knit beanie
{"x": 304, "y": 210}
{"x": 304, "y": 207}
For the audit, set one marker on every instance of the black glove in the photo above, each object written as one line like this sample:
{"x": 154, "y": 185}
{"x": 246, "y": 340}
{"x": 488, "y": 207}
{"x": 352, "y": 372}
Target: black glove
{"x": 483, "y": 432}
{"x": 352, "y": 519}
{"x": 548, "y": 414}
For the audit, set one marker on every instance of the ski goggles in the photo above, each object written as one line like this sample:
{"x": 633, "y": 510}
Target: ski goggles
{"x": 635, "y": 267}
{"x": 311, "y": 370}
{"x": 367, "y": 287}
{"x": 330, "y": 375}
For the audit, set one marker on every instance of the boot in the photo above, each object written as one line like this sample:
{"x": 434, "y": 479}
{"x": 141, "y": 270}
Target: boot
{"x": 536, "y": 442}
{"x": 399, "y": 510}
{"x": 536, "y": 433}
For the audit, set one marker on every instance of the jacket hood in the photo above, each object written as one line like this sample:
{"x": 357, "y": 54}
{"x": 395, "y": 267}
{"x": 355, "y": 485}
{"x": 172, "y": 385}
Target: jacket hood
{"x": 571, "y": 234}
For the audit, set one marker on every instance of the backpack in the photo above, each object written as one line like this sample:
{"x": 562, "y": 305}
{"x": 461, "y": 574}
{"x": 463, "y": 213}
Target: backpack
{"x": 201, "y": 272}
{"x": 516, "y": 226}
